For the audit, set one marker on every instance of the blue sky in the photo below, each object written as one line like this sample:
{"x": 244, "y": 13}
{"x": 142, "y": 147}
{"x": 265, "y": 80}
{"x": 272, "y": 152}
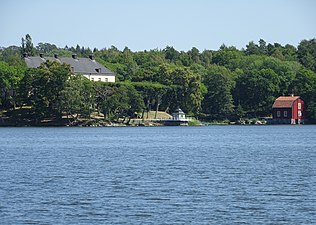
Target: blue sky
{"x": 141, "y": 24}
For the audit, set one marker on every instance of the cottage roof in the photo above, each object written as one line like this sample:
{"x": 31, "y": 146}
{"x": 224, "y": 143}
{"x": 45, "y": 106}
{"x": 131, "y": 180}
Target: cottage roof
{"x": 179, "y": 111}
{"x": 79, "y": 65}
{"x": 285, "y": 101}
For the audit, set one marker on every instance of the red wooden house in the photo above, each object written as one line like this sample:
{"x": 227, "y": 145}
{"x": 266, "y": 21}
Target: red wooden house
{"x": 288, "y": 110}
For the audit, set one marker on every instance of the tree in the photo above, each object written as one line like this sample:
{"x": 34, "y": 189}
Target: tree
{"x": 77, "y": 97}
{"x": 218, "y": 102}
{"x": 164, "y": 74}
{"x": 135, "y": 102}
{"x": 46, "y": 48}
{"x": 117, "y": 103}
{"x": 185, "y": 59}
{"x": 12, "y": 56}
{"x": 277, "y": 53}
{"x": 171, "y": 54}
{"x": 206, "y": 58}
{"x": 262, "y": 47}
{"x": 27, "y": 46}
{"x": 124, "y": 102}
{"x": 256, "y": 90}
{"x": 285, "y": 71}
{"x": 194, "y": 55}
{"x": 43, "y": 87}
{"x": 10, "y": 78}
{"x": 102, "y": 93}
{"x": 304, "y": 85}
{"x": 185, "y": 87}
{"x": 307, "y": 54}
{"x": 290, "y": 53}
{"x": 189, "y": 94}
{"x": 153, "y": 95}
{"x": 252, "y": 49}
{"x": 77, "y": 49}
{"x": 226, "y": 57}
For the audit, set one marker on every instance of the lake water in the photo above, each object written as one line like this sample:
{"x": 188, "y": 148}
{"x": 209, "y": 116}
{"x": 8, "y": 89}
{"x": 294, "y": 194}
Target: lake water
{"x": 158, "y": 175}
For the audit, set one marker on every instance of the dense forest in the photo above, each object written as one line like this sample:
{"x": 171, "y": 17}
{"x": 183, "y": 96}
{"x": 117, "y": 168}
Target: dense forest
{"x": 223, "y": 84}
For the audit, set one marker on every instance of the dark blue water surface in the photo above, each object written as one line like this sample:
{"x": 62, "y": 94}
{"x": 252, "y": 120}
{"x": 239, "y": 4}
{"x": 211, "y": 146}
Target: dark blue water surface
{"x": 158, "y": 175}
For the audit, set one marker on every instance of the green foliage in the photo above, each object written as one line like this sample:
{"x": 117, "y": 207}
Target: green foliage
{"x": 218, "y": 101}
{"x": 118, "y": 100}
{"x": 224, "y": 56}
{"x": 171, "y": 54}
{"x": 307, "y": 54}
{"x": 60, "y": 53}
{"x": 256, "y": 90}
{"x": 12, "y": 56}
{"x": 153, "y": 94}
{"x": 77, "y": 97}
{"x": 10, "y": 78}
{"x": 102, "y": 93}
{"x": 187, "y": 86}
{"x": 228, "y": 83}
{"x": 27, "y": 46}
{"x": 194, "y": 122}
{"x": 42, "y": 88}
{"x": 304, "y": 84}
{"x": 287, "y": 52}
{"x": 46, "y": 48}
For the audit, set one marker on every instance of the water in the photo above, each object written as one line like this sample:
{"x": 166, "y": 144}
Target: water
{"x": 160, "y": 175}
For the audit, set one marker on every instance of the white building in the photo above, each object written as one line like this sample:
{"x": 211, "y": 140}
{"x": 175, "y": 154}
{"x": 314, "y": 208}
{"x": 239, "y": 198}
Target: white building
{"x": 88, "y": 67}
{"x": 178, "y": 115}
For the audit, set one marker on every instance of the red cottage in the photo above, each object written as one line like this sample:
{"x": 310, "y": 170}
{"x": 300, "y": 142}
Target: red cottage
{"x": 288, "y": 110}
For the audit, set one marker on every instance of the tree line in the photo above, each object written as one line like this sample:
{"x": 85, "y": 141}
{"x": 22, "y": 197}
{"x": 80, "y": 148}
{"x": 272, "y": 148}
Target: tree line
{"x": 212, "y": 85}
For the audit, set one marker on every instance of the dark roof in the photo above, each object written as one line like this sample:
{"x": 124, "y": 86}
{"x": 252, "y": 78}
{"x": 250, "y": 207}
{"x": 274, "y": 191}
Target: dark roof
{"x": 285, "y": 101}
{"x": 79, "y": 65}
{"x": 179, "y": 111}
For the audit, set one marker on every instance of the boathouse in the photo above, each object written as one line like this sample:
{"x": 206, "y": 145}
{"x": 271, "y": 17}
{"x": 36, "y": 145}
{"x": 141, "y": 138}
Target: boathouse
{"x": 178, "y": 119}
{"x": 178, "y": 114}
{"x": 288, "y": 110}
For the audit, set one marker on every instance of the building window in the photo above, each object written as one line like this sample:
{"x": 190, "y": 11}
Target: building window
{"x": 299, "y": 105}
{"x": 299, "y": 113}
{"x": 98, "y": 70}
{"x": 99, "y": 79}
{"x": 106, "y": 79}
{"x": 278, "y": 113}
{"x": 92, "y": 78}
{"x": 285, "y": 113}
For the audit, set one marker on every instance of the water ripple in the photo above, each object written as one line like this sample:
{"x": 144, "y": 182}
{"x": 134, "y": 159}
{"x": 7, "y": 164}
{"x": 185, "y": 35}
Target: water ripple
{"x": 168, "y": 175}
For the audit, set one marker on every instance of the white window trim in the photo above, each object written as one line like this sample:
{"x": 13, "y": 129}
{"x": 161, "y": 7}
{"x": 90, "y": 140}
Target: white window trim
{"x": 278, "y": 113}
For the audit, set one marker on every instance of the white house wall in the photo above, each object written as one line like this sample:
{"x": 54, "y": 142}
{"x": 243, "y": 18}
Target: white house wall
{"x": 102, "y": 78}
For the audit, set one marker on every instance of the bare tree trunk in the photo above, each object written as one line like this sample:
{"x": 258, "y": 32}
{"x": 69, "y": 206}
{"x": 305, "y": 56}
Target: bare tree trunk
{"x": 147, "y": 109}
{"x": 157, "y": 108}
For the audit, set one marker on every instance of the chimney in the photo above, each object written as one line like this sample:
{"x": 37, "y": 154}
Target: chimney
{"x": 56, "y": 56}
{"x": 25, "y": 55}
{"x": 74, "y": 56}
{"x": 41, "y": 55}
{"x": 91, "y": 57}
